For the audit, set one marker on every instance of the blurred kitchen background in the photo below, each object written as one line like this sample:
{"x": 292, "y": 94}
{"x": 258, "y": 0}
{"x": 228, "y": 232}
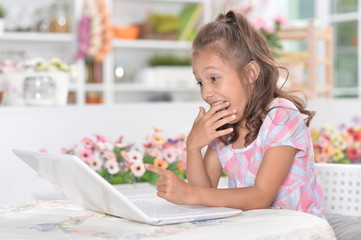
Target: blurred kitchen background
{"x": 106, "y": 52}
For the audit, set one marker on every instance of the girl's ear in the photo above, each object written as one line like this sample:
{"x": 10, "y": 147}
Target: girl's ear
{"x": 253, "y": 71}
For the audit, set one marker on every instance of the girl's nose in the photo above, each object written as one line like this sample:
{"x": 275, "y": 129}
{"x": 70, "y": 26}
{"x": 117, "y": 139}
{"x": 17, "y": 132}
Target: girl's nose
{"x": 206, "y": 91}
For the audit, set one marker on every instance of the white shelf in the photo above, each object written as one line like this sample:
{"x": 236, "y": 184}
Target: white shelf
{"x": 151, "y": 44}
{"x": 137, "y": 87}
{"x": 94, "y": 87}
{"x": 133, "y": 55}
{"x": 167, "y": 1}
{"x": 38, "y": 37}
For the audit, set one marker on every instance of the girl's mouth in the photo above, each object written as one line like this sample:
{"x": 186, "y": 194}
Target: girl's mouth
{"x": 217, "y": 103}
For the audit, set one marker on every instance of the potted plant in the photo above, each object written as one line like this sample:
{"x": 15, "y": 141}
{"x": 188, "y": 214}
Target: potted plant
{"x": 2, "y": 17}
{"x": 167, "y": 71}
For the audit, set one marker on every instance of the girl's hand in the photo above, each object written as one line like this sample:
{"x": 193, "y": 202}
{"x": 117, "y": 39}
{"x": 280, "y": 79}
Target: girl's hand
{"x": 170, "y": 186}
{"x": 206, "y": 123}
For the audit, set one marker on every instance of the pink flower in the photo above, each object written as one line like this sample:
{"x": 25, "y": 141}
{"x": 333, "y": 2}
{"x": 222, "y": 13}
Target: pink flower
{"x": 100, "y": 146}
{"x": 120, "y": 139}
{"x": 95, "y": 163}
{"x": 356, "y": 136}
{"x": 170, "y": 154}
{"x": 281, "y": 19}
{"x": 261, "y": 24}
{"x": 125, "y": 155}
{"x": 244, "y": 8}
{"x": 135, "y": 157}
{"x": 323, "y": 140}
{"x": 112, "y": 167}
{"x": 109, "y": 156}
{"x": 87, "y": 143}
{"x": 100, "y": 138}
{"x": 154, "y": 153}
{"x": 42, "y": 150}
{"x": 86, "y": 155}
{"x": 137, "y": 169}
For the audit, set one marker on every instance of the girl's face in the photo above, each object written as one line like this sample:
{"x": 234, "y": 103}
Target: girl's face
{"x": 219, "y": 82}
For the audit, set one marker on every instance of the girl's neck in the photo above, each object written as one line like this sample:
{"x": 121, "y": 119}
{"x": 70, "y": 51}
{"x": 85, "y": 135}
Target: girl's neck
{"x": 240, "y": 143}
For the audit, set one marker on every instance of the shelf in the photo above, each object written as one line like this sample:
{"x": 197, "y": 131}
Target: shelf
{"x": 133, "y": 55}
{"x": 167, "y": 1}
{"x": 38, "y": 37}
{"x": 151, "y": 44}
{"x": 96, "y": 87}
{"x": 134, "y": 87}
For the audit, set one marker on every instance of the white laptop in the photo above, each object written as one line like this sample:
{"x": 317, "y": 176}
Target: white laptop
{"x": 85, "y": 187}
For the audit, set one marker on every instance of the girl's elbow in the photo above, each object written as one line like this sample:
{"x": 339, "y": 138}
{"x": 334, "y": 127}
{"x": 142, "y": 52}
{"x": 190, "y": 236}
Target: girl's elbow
{"x": 260, "y": 203}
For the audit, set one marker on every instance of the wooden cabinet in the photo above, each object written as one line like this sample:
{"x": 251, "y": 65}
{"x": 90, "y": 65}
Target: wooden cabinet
{"x": 311, "y": 69}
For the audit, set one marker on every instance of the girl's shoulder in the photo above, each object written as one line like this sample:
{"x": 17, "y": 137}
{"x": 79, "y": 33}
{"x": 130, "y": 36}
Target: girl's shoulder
{"x": 282, "y": 103}
{"x": 282, "y": 110}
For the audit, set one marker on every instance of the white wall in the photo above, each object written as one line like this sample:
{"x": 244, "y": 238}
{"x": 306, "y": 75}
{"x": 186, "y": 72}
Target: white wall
{"x": 54, "y": 128}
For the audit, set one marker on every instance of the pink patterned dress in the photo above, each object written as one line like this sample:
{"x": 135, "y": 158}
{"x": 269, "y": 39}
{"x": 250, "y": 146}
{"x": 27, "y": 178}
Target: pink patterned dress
{"x": 283, "y": 126}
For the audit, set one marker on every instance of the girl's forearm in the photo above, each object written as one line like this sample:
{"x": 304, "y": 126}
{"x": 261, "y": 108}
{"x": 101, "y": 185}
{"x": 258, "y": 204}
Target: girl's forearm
{"x": 196, "y": 172}
{"x": 245, "y": 198}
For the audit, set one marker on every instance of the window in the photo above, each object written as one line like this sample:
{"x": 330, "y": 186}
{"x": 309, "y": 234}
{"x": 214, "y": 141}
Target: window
{"x": 345, "y": 17}
{"x": 343, "y": 6}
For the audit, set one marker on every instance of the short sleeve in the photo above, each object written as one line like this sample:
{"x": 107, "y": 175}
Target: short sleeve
{"x": 213, "y": 145}
{"x": 216, "y": 144}
{"x": 285, "y": 126}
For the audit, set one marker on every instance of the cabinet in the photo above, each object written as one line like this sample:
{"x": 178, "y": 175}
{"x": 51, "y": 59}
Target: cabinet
{"x": 311, "y": 70}
{"x": 129, "y": 56}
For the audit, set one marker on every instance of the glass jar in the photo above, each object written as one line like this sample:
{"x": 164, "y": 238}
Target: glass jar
{"x": 43, "y": 22}
{"x": 60, "y": 19}
{"x": 39, "y": 91}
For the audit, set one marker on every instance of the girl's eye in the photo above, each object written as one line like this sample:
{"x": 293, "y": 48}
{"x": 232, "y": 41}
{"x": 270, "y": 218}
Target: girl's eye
{"x": 214, "y": 78}
{"x": 200, "y": 84}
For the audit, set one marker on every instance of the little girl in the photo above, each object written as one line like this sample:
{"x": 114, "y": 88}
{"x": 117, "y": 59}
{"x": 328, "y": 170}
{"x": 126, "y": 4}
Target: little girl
{"x": 254, "y": 130}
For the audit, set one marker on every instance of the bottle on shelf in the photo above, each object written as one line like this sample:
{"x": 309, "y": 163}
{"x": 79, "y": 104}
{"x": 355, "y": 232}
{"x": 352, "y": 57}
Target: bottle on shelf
{"x": 60, "y": 18}
{"x": 94, "y": 71}
{"x": 44, "y": 21}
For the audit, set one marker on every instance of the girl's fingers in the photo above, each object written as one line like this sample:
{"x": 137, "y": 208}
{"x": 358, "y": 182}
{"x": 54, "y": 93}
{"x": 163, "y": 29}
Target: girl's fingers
{"x": 216, "y": 108}
{"x": 161, "y": 188}
{"x": 221, "y": 133}
{"x": 224, "y": 121}
{"x": 201, "y": 112}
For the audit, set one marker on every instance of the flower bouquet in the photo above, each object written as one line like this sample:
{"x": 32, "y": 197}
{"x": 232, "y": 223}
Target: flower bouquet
{"x": 340, "y": 144}
{"x": 168, "y": 154}
{"x": 120, "y": 162}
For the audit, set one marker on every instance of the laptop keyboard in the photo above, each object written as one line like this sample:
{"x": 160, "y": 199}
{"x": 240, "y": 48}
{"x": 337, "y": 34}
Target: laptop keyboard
{"x": 163, "y": 209}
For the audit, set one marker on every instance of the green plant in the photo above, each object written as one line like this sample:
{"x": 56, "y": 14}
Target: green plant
{"x": 169, "y": 60}
{"x": 2, "y": 11}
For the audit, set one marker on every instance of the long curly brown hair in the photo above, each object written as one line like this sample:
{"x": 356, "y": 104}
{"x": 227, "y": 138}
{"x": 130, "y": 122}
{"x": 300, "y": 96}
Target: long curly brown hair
{"x": 236, "y": 41}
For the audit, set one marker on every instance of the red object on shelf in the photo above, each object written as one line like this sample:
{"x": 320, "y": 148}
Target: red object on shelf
{"x": 93, "y": 98}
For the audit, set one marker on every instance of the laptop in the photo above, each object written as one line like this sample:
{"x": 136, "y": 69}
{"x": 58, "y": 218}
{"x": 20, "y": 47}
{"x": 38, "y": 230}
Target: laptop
{"x": 85, "y": 187}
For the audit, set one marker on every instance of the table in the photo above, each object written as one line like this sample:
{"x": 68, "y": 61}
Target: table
{"x": 60, "y": 219}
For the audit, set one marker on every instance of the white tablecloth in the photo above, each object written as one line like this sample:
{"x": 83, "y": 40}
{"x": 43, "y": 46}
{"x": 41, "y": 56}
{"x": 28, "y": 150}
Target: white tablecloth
{"x": 60, "y": 219}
